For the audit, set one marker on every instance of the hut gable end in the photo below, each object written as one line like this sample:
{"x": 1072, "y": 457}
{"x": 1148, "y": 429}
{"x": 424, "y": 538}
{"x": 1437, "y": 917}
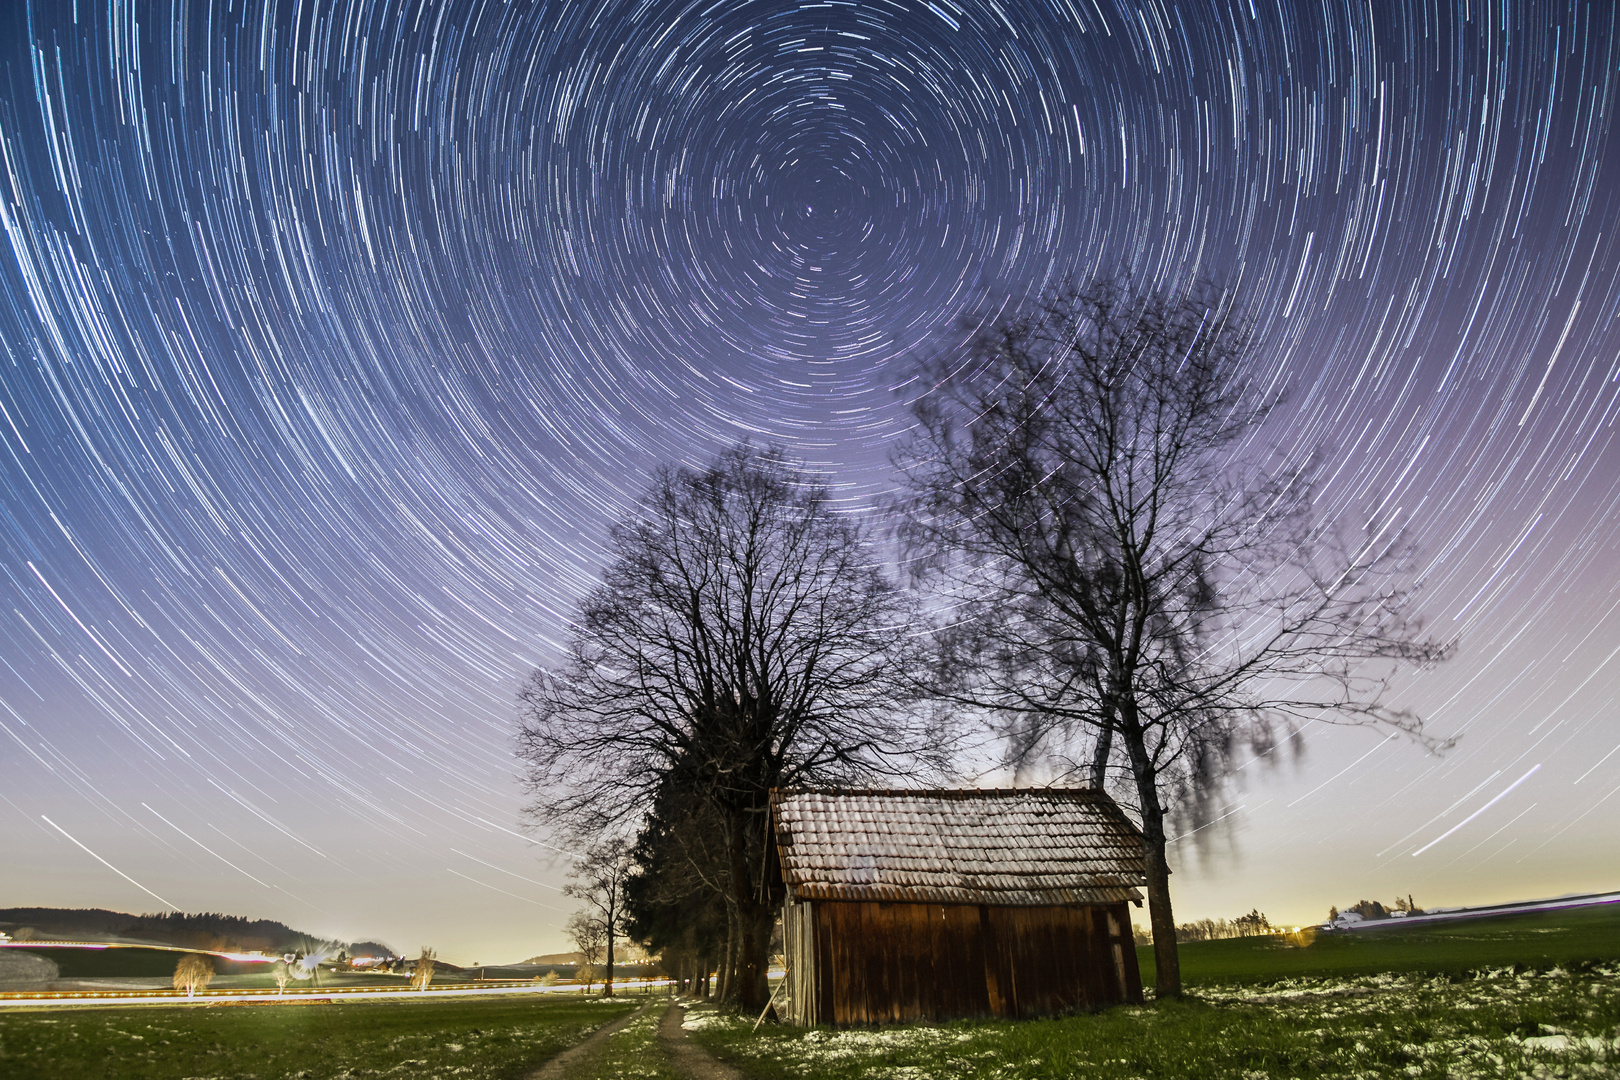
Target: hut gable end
{"x": 1029, "y": 847}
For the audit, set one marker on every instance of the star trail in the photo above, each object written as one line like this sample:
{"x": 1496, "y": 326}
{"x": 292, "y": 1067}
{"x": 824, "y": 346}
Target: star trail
{"x": 336, "y": 332}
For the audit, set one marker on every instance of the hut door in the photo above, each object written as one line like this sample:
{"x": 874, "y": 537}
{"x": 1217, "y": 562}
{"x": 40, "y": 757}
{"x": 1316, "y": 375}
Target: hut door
{"x": 992, "y": 964}
{"x": 1116, "y": 939}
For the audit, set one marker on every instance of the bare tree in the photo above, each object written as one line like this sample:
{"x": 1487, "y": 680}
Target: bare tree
{"x": 193, "y": 973}
{"x": 1134, "y": 587}
{"x": 599, "y": 880}
{"x": 744, "y": 637}
{"x": 282, "y": 976}
{"x": 589, "y": 934}
{"x": 422, "y": 973}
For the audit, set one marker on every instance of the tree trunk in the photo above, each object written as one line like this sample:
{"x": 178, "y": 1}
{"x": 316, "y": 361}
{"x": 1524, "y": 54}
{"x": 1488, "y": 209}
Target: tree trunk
{"x": 1102, "y": 751}
{"x": 1166, "y": 960}
{"x": 754, "y": 921}
{"x": 607, "y": 987}
{"x": 754, "y": 957}
{"x": 725, "y": 970}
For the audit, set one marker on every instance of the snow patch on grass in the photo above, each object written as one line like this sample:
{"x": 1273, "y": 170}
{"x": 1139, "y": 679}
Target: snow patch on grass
{"x": 1501, "y": 1023}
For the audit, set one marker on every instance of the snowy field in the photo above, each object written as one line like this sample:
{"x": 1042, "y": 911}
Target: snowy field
{"x": 1501, "y": 1023}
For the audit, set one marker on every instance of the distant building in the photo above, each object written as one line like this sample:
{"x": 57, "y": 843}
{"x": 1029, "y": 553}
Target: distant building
{"x": 933, "y": 905}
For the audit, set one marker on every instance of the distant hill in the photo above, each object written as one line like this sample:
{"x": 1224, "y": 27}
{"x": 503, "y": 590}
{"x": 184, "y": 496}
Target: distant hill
{"x": 554, "y": 958}
{"x": 371, "y": 948}
{"x": 203, "y": 930}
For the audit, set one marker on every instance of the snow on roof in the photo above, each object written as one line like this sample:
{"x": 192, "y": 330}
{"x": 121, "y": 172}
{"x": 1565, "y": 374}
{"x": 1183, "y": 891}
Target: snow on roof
{"x": 1021, "y": 847}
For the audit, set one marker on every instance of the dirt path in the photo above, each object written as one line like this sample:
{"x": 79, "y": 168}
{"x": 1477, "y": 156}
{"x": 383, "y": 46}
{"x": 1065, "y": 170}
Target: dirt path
{"x": 687, "y": 1056}
{"x": 560, "y": 1066}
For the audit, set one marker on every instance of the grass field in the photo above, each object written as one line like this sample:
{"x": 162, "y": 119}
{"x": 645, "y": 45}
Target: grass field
{"x": 1503, "y": 1025}
{"x": 135, "y": 962}
{"x": 1539, "y": 939}
{"x": 478, "y": 1039}
{"x": 1522, "y": 996}
{"x": 149, "y": 964}
{"x": 113, "y": 963}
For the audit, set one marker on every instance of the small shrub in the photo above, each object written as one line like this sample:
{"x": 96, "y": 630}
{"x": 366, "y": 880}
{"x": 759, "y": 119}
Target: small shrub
{"x": 193, "y": 973}
{"x": 422, "y": 975}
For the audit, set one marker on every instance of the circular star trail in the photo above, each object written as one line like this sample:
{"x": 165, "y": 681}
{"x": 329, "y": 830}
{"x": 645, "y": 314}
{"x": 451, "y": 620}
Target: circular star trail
{"x": 336, "y": 333}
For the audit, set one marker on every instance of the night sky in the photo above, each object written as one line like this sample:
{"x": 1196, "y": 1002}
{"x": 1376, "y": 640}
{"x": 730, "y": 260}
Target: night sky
{"x": 335, "y": 334}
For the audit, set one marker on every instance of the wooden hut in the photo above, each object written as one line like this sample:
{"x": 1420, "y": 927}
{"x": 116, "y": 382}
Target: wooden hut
{"x": 933, "y": 905}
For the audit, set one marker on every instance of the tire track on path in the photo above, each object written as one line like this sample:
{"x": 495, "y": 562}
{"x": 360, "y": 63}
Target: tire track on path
{"x": 690, "y": 1058}
{"x": 559, "y": 1067}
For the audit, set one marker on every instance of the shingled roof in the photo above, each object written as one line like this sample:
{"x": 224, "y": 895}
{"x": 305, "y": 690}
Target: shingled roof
{"x": 1022, "y": 847}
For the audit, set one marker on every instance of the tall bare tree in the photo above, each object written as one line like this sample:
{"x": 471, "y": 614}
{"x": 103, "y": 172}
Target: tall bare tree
{"x": 1136, "y": 584}
{"x": 599, "y": 879}
{"x": 589, "y": 934}
{"x": 744, "y": 636}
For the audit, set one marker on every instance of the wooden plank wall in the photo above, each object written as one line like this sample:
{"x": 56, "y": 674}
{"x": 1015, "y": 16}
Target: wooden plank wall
{"x": 1056, "y": 959}
{"x": 882, "y": 963}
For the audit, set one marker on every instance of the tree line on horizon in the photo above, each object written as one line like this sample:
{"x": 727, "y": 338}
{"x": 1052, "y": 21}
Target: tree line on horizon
{"x": 1093, "y": 568}
{"x": 1254, "y": 924}
{"x": 206, "y": 930}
